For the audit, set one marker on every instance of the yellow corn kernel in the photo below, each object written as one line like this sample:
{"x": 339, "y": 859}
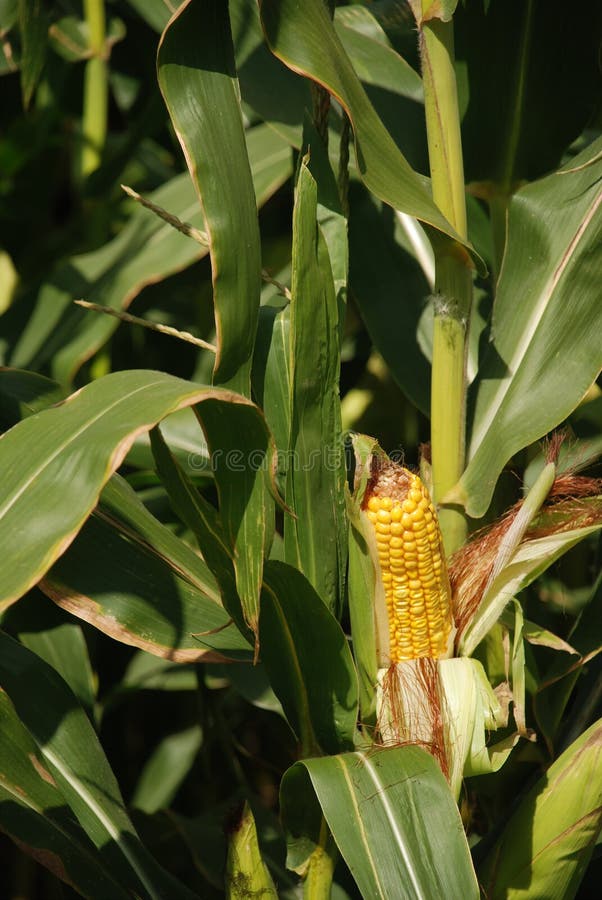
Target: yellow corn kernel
{"x": 412, "y": 565}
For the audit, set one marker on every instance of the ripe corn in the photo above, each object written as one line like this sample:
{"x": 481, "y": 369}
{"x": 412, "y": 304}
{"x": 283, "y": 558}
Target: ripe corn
{"x": 412, "y": 564}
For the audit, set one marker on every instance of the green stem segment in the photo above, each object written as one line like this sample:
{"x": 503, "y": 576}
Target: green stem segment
{"x": 317, "y": 884}
{"x": 453, "y": 280}
{"x": 94, "y": 119}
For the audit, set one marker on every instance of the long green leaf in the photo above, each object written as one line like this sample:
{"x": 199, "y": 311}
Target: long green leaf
{"x": 204, "y": 522}
{"x": 48, "y": 633}
{"x": 315, "y": 539}
{"x": 548, "y": 841}
{"x": 393, "y": 818}
{"x": 33, "y": 813}
{"x": 56, "y": 463}
{"x": 362, "y": 585}
{"x": 133, "y": 591}
{"x": 304, "y": 38}
{"x": 71, "y": 752}
{"x": 166, "y": 769}
{"x": 198, "y": 81}
{"x": 33, "y": 27}
{"x": 315, "y": 680}
{"x": 547, "y": 320}
{"x": 145, "y": 251}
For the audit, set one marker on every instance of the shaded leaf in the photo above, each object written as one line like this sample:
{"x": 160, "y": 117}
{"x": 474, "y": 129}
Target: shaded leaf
{"x": 33, "y": 27}
{"x": 75, "y": 761}
{"x": 308, "y": 661}
{"x": 166, "y": 769}
{"x": 34, "y": 814}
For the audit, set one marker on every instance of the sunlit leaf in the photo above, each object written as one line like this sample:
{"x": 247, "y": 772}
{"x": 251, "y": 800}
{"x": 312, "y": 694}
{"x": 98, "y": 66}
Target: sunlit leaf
{"x": 548, "y": 841}
{"x": 197, "y": 77}
{"x": 392, "y": 816}
{"x": 545, "y": 351}
{"x": 70, "y": 751}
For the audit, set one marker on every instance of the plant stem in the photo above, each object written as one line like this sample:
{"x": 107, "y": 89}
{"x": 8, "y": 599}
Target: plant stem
{"x": 94, "y": 118}
{"x": 317, "y": 883}
{"x": 453, "y": 280}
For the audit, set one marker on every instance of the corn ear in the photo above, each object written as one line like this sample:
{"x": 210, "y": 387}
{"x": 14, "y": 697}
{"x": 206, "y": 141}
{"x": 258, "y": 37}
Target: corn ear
{"x": 413, "y": 598}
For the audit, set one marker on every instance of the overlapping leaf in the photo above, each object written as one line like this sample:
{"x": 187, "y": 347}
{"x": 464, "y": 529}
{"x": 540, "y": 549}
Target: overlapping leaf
{"x": 392, "y": 816}
{"x": 57, "y": 462}
{"x": 75, "y": 762}
{"x": 547, "y": 310}
{"x": 304, "y": 38}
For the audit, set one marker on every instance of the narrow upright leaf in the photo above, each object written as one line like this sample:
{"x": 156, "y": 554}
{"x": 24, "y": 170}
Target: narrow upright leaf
{"x": 308, "y": 661}
{"x": 198, "y": 79}
{"x": 315, "y": 539}
{"x": 33, "y": 25}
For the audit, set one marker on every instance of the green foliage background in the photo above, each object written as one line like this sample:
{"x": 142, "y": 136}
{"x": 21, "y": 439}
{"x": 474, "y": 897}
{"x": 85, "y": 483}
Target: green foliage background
{"x": 134, "y": 725}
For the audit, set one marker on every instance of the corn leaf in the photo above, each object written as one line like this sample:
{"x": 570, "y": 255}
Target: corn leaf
{"x": 391, "y": 291}
{"x": 392, "y": 816}
{"x": 315, "y": 538}
{"x": 33, "y": 28}
{"x": 279, "y": 96}
{"x": 75, "y": 762}
{"x": 57, "y": 462}
{"x": 197, "y": 78}
{"x": 551, "y": 265}
{"x": 559, "y": 680}
{"x": 510, "y": 54}
{"x": 24, "y": 393}
{"x": 315, "y": 680}
{"x": 548, "y": 841}
{"x": 362, "y": 578}
{"x": 33, "y": 812}
{"x": 146, "y": 250}
{"x": 48, "y": 633}
{"x": 304, "y": 38}
{"x": 166, "y": 769}
{"x": 203, "y": 520}
{"x": 272, "y": 376}
{"x": 131, "y": 589}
